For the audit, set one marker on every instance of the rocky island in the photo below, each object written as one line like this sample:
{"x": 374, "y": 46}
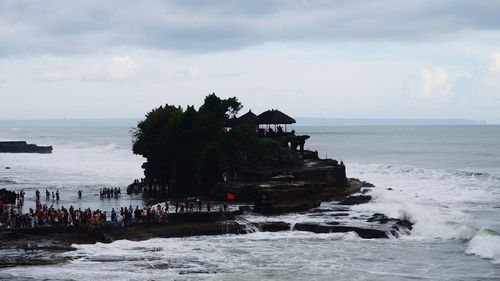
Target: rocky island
{"x": 252, "y": 162}
{"x": 22, "y": 147}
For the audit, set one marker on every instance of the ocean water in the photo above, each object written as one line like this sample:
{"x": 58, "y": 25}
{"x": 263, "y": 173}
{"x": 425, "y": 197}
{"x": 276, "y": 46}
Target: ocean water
{"x": 446, "y": 180}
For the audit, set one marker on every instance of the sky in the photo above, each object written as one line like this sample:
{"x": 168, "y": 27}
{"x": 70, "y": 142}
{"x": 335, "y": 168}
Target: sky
{"x": 342, "y": 59}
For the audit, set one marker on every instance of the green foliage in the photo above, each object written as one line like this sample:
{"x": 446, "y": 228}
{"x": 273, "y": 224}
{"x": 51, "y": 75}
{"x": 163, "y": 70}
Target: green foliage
{"x": 190, "y": 149}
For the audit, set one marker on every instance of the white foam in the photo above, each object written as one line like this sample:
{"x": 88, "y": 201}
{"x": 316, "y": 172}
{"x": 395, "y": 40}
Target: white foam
{"x": 486, "y": 246}
{"x": 442, "y": 204}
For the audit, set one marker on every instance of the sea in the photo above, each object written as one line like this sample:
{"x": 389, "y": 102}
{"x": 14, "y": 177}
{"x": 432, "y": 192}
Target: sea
{"x": 444, "y": 179}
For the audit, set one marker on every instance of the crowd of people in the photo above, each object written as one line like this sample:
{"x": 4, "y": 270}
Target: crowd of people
{"x": 49, "y": 216}
{"x": 108, "y": 192}
{"x": 140, "y": 187}
{"x": 11, "y": 216}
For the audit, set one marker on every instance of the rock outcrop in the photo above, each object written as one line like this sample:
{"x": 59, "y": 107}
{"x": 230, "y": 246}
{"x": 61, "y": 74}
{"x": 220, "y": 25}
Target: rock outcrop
{"x": 366, "y": 233}
{"x": 292, "y": 190}
{"x": 22, "y": 147}
{"x": 356, "y": 200}
{"x": 193, "y": 224}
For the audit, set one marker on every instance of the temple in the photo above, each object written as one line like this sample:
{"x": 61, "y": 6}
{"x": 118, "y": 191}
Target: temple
{"x": 273, "y": 124}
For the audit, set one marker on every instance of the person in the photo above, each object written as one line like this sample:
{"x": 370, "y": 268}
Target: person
{"x": 47, "y": 194}
{"x": 113, "y": 215}
{"x": 119, "y": 220}
{"x": 199, "y": 205}
{"x": 79, "y": 194}
{"x": 53, "y": 196}
{"x": 57, "y": 195}
{"x": 224, "y": 206}
{"x": 209, "y": 205}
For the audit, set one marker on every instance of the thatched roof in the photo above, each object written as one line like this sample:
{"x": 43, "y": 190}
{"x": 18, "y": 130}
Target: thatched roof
{"x": 248, "y": 117}
{"x": 275, "y": 117}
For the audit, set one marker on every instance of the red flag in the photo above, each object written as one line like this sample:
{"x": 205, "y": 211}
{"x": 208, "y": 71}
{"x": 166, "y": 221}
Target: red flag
{"x": 230, "y": 196}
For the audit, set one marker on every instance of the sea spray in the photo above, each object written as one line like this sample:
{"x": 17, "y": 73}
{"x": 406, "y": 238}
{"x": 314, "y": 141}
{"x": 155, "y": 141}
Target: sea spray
{"x": 485, "y": 245}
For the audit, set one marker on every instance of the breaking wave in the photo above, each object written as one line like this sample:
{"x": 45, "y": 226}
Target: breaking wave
{"x": 442, "y": 204}
{"x": 485, "y": 245}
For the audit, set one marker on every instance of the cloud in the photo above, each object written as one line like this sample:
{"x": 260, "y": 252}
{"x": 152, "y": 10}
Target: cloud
{"x": 119, "y": 69}
{"x": 191, "y": 72}
{"x": 52, "y": 76}
{"x": 62, "y": 27}
{"x": 434, "y": 82}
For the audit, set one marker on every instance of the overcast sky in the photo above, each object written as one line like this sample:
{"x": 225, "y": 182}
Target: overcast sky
{"x": 353, "y": 59}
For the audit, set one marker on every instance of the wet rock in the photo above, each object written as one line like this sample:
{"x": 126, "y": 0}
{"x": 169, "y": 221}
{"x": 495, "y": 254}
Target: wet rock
{"x": 274, "y": 226}
{"x": 341, "y": 215}
{"x": 286, "y": 197}
{"x": 405, "y": 223}
{"x": 195, "y": 217}
{"x": 22, "y": 147}
{"x": 365, "y": 233}
{"x": 380, "y": 218}
{"x": 245, "y": 208}
{"x": 356, "y": 199}
{"x": 367, "y": 184}
{"x": 341, "y": 210}
{"x": 63, "y": 236}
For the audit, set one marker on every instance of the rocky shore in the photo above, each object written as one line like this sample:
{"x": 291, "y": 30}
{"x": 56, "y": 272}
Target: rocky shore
{"x": 22, "y": 147}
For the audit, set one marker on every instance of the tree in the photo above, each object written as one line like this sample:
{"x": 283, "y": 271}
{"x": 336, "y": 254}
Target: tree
{"x": 188, "y": 150}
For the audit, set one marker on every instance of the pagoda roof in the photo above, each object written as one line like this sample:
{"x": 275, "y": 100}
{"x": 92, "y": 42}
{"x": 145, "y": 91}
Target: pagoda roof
{"x": 275, "y": 116}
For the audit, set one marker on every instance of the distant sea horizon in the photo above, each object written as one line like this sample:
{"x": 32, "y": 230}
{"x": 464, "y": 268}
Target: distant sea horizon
{"x": 301, "y": 121}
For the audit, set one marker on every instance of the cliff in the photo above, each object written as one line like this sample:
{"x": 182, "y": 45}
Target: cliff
{"x": 292, "y": 190}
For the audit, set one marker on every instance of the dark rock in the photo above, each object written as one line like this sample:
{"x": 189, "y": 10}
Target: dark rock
{"x": 178, "y": 225}
{"x": 341, "y": 210}
{"x": 390, "y": 188}
{"x": 313, "y": 227}
{"x": 367, "y": 184}
{"x": 274, "y": 226}
{"x": 285, "y": 197}
{"x": 362, "y": 232}
{"x": 341, "y": 215}
{"x": 320, "y": 210}
{"x": 7, "y": 168}
{"x": 66, "y": 236}
{"x": 23, "y": 147}
{"x": 405, "y": 223}
{"x": 381, "y": 218}
{"x": 356, "y": 199}
{"x": 201, "y": 217}
{"x": 245, "y": 208}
